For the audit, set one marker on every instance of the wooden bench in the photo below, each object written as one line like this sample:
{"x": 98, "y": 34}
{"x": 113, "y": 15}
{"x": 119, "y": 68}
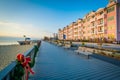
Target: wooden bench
{"x": 84, "y": 51}
{"x": 67, "y": 46}
{"x": 59, "y": 44}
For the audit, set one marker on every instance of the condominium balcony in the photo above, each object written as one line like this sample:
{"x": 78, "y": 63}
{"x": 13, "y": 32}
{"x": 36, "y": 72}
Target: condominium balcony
{"x": 69, "y": 30}
{"x": 95, "y": 32}
{"x": 76, "y": 26}
{"x": 92, "y": 32}
{"x": 100, "y": 24}
{"x": 92, "y": 19}
{"x": 70, "y": 34}
{"x": 101, "y": 31}
{"x": 100, "y": 16}
{"x": 75, "y": 35}
{"x": 79, "y": 31}
{"x": 93, "y": 26}
{"x": 75, "y": 30}
{"x": 80, "y": 24}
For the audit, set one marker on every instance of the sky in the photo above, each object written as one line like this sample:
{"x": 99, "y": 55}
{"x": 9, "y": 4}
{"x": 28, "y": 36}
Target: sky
{"x": 39, "y": 18}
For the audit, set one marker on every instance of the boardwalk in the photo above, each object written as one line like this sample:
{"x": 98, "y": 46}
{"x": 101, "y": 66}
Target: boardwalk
{"x": 55, "y": 63}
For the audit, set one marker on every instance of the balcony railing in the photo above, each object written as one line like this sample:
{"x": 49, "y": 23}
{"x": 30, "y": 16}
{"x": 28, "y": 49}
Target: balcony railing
{"x": 93, "y": 26}
{"x": 101, "y": 31}
{"x": 100, "y": 16}
{"x": 92, "y": 19}
{"x": 80, "y": 24}
{"x": 75, "y": 26}
{"x": 101, "y": 24}
{"x": 92, "y": 32}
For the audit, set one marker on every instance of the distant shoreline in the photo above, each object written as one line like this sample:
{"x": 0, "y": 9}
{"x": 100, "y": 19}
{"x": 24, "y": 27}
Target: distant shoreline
{"x": 8, "y": 43}
{"x": 12, "y": 40}
{"x": 9, "y": 40}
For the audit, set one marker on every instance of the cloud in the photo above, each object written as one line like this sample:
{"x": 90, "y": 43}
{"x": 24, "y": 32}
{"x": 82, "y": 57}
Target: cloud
{"x": 18, "y": 30}
{"x": 8, "y": 25}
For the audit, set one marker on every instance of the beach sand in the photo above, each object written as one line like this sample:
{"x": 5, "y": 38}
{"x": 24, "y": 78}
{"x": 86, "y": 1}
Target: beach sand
{"x": 8, "y": 53}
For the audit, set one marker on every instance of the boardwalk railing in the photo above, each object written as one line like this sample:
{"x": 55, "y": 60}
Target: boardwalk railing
{"x": 6, "y": 73}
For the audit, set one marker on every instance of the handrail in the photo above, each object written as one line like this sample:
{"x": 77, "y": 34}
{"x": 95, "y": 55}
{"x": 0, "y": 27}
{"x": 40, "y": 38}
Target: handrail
{"x": 7, "y": 70}
{"x": 5, "y": 73}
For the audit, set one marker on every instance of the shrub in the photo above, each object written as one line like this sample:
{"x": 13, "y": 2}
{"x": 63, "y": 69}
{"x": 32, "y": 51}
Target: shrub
{"x": 83, "y": 44}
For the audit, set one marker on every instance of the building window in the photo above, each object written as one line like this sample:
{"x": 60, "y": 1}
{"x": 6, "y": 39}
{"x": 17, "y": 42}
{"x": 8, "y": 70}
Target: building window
{"x": 83, "y": 27}
{"x": 93, "y": 23}
{"x": 88, "y": 19}
{"x": 110, "y": 27}
{"x": 84, "y": 21}
{"x": 76, "y": 33}
{"x": 110, "y": 9}
{"x": 101, "y": 12}
{"x": 100, "y": 29}
{"x": 93, "y": 16}
{"x": 83, "y": 32}
{"x": 75, "y": 28}
{"x": 101, "y": 21}
{"x": 110, "y": 18}
{"x": 93, "y": 30}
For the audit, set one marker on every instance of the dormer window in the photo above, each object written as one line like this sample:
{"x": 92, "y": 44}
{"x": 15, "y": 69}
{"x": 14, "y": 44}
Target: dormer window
{"x": 110, "y": 9}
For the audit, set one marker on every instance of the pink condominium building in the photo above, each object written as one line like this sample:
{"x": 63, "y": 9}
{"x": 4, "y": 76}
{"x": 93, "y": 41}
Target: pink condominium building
{"x": 103, "y": 24}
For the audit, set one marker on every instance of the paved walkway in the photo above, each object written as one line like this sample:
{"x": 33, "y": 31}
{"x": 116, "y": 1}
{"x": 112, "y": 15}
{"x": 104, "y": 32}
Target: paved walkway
{"x": 56, "y": 63}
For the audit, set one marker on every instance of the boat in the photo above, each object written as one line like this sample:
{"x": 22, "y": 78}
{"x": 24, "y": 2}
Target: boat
{"x": 26, "y": 42}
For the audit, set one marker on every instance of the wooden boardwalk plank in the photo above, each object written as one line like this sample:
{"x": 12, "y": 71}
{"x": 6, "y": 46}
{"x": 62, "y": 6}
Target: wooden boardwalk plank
{"x": 56, "y": 63}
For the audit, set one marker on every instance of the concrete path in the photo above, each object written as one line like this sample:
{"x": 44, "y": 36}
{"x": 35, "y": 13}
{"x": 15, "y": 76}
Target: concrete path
{"x": 56, "y": 63}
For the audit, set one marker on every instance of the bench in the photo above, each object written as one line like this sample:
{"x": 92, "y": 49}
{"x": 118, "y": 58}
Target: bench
{"x": 59, "y": 44}
{"x": 84, "y": 51}
{"x": 67, "y": 46}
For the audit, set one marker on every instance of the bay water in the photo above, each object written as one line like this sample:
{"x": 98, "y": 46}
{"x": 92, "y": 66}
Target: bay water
{"x": 10, "y": 40}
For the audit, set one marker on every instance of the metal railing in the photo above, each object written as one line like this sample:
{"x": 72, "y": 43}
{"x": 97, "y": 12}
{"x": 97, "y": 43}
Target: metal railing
{"x": 5, "y": 74}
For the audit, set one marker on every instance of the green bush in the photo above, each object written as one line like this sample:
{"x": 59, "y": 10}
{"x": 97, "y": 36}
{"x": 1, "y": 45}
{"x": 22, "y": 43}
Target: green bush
{"x": 83, "y": 44}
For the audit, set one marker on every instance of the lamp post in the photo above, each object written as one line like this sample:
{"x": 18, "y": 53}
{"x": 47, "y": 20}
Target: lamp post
{"x": 24, "y": 37}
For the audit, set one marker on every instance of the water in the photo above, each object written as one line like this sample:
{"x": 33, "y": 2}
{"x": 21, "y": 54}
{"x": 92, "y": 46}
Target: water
{"x": 9, "y": 40}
